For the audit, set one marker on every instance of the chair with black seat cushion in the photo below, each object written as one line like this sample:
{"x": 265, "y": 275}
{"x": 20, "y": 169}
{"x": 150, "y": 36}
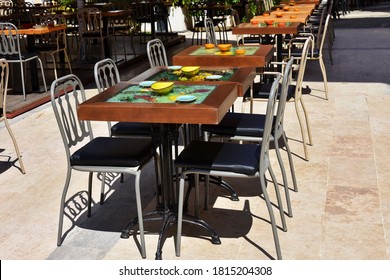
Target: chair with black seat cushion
{"x": 250, "y": 127}
{"x": 100, "y": 154}
{"x": 156, "y": 52}
{"x": 232, "y": 160}
{"x": 11, "y": 50}
{"x": 294, "y": 92}
{"x": 4, "y": 75}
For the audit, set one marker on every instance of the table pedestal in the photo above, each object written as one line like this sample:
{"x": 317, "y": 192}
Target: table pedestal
{"x": 165, "y": 136}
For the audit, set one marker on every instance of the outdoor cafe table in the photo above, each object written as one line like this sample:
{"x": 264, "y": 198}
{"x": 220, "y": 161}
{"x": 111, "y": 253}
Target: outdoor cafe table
{"x": 243, "y": 76}
{"x": 198, "y": 55}
{"x": 127, "y": 102}
{"x": 259, "y": 29}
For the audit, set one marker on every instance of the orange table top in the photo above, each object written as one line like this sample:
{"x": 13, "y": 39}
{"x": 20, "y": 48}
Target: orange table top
{"x": 285, "y": 18}
{"x": 199, "y": 56}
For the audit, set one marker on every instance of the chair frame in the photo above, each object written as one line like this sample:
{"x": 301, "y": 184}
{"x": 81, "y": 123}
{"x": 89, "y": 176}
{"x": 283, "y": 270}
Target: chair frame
{"x": 277, "y": 133}
{"x": 74, "y": 131}
{"x": 264, "y": 165}
{"x": 59, "y": 40}
{"x": 4, "y": 75}
{"x": 10, "y": 48}
{"x": 91, "y": 27}
{"x": 211, "y": 37}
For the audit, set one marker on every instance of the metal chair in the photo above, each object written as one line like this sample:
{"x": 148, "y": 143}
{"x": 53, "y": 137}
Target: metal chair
{"x": 55, "y": 42}
{"x": 156, "y": 53}
{"x": 4, "y": 75}
{"x": 232, "y": 160}
{"x": 100, "y": 154}
{"x": 294, "y": 92}
{"x": 250, "y": 127}
{"x": 10, "y": 49}
{"x": 123, "y": 26}
{"x": 92, "y": 30}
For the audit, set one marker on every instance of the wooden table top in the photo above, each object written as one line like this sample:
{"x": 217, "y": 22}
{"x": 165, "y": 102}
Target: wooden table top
{"x": 210, "y": 111}
{"x": 248, "y": 28}
{"x": 243, "y": 76}
{"x": 297, "y": 2}
{"x": 302, "y": 18}
{"x": 40, "y": 31}
{"x": 260, "y": 58}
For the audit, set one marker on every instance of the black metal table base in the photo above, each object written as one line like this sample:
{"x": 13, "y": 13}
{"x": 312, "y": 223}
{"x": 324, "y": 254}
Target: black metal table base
{"x": 168, "y": 218}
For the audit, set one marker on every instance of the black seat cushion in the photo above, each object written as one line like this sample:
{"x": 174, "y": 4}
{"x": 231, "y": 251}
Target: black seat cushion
{"x": 25, "y": 55}
{"x": 109, "y": 151}
{"x": 241, "y": 124}
{"x": 129, "y": 128}
{"x": 220, "y": 156}
{"x": 297, "y": 52}
{"x": 262, "y": 90}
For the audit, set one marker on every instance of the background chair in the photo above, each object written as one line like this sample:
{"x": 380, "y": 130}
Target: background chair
{"x": 210, "y": 32}
{"x": 54, "y": 43}
{"x": 123, "y": 26}
{"x": 294, "y": 92}
{"x": 92, "y": 30}
{"x": 10, "y": 49}
{"x": 100, "y": 154}
{"x": 156, "y": 53}
{"x": 232, "y": 160}
{"x": 151, "y": 12}
{"x": 295, "y": 49}
{"x": 197, "y": 13}
{"x": 4, "y": 75}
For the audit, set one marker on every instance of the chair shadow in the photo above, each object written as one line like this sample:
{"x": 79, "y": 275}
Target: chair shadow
{"x": 7, "y": 164}
{"x": 119, "y": 206}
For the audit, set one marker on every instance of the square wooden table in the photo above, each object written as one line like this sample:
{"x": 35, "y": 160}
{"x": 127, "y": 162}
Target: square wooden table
{"x": 167, "y": 116}
{"x": 255, "y": 56}
{"x": 279, "y": 31}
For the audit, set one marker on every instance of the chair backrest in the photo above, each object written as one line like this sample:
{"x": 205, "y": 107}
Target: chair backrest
{"x": 302, "y": 66}
{"x": 66, "y": 93}
{"x": 235, "y": 18}
{"x": 323, "y": 34}
{"x": 9, "y": 43}
{"x": 270, "y": 112}
{"x": 156, "y": 53}
{"x": 268, "y": 4}
{"x": 90, "y": 21}
{"x": 6, "y": 7}
{"x": 285, "y": 83}
{"x": 106, "y": 74}
{"x": 210, "y": 32}
{"x": 4, "y": 74}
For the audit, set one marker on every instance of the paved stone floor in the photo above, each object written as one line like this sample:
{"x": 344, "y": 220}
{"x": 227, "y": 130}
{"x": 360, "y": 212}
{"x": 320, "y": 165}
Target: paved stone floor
{"x": 341, "y": 211}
